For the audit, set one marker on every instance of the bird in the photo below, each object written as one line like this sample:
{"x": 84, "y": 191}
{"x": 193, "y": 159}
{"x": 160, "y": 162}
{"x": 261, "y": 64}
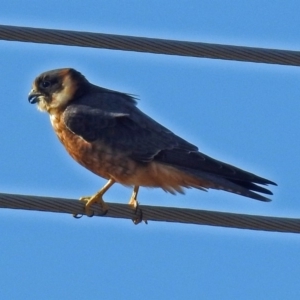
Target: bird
{"x": 105, "y": 132}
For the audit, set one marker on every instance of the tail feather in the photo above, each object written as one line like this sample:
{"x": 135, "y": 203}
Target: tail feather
{"x": 219, "y": 175}
{"x": 219, "y": 183}
{"x": 252, "y": 186}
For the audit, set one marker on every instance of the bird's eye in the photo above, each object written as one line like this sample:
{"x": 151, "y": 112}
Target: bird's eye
{"x": 45, "y": 83}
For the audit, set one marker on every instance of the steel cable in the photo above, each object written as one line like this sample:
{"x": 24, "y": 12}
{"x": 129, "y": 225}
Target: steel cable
{"x": 154, "y": 213}
{"x": 149, "y": 45}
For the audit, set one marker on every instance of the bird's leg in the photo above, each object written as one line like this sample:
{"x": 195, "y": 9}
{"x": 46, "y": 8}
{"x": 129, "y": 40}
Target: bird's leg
{"x": 135, "y": 205}
{"x": 133, "y": 201}
{"x": 97, "y": 198}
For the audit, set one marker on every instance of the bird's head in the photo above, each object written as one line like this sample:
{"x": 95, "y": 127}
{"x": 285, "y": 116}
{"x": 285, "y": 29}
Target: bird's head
{"x": 53, "y": 90}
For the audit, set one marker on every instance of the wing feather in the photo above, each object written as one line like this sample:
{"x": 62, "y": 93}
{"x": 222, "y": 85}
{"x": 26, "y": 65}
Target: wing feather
{"x": 113, "y": 118}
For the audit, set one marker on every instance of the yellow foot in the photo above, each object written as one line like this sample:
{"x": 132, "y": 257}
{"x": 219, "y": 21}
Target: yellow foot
{"x": 97, "y": 198}
{"x": 138, "y": 213}
{"x": 89, "y": 200}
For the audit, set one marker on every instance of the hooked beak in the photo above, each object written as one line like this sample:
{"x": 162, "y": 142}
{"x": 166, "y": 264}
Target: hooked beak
{"x": 33, "y": 97}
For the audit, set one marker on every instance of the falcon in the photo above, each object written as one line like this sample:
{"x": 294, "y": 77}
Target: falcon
{"x": 105, "y": 132}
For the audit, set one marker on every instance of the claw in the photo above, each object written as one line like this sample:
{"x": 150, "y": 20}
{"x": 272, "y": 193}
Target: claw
{"x": 97, "y": 198}
{"x": 138, "y": 214}
{"x": 89, "y": 201}
{"x": 135, "y": 205}
{"x": 77, "y": 216}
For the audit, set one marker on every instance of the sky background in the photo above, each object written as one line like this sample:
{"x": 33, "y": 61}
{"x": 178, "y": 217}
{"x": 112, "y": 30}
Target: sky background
{"x": 243, "y": 113}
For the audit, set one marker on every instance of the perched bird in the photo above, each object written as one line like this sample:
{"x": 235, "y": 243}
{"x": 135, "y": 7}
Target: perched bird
{"x": 105, "y": 132}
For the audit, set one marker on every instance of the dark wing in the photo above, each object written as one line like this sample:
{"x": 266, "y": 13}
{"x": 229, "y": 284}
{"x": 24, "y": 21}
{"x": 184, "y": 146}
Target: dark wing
{"x": 113, "y": 118}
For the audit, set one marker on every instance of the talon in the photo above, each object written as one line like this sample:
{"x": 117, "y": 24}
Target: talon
{"x": 91, "y": 213}
{"x": 135, "y": 205}
{"x": 89, "y": 201}
{"x": 97, "y": 198}
{"x": 77, "y": 216}
{"x": 139, "y": 217}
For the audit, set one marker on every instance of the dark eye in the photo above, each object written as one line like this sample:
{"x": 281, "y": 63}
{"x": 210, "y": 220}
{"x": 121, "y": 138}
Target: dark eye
{"x": 45, "y": 84}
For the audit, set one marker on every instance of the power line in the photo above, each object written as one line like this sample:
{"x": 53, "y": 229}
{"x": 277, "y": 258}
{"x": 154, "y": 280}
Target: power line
{"x": 154, "y": 213}
{"x": 149, "y": 45}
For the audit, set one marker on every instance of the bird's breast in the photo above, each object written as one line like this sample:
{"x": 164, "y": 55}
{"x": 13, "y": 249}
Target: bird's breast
{"x": 95, "y": 156}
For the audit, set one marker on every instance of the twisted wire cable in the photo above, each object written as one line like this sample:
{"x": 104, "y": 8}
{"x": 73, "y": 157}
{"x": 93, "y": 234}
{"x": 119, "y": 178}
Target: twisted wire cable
{"x": 153, "y": 213}
{"x": 149, "y": 45}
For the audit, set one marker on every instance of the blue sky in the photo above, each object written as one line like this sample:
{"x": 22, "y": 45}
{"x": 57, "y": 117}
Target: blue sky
{"x": 243, "y": 113}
